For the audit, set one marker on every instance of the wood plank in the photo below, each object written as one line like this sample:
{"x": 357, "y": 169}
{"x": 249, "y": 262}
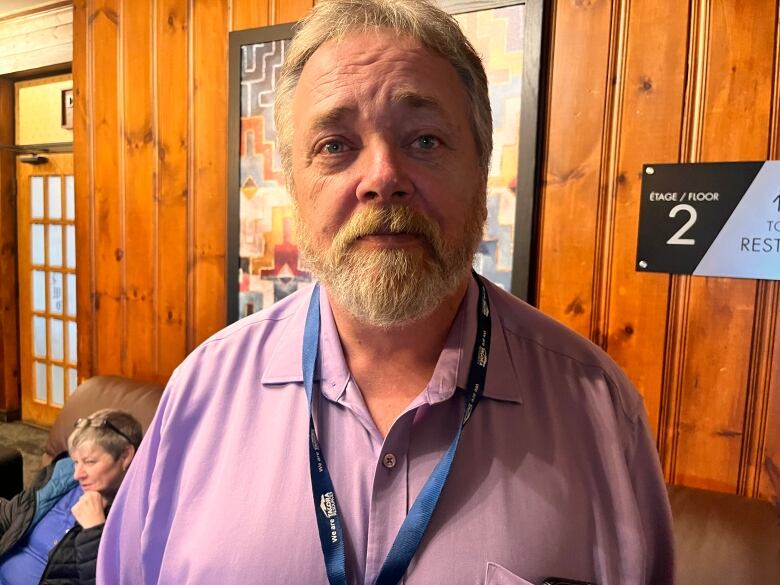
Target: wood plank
{"x": 209, "y": 169}
{"x": 759, "y": 437}
{"x": 172, "y": 180}
{"x": 290, "y": 10}
{"x": 108, "y": 191}
{"x": 9, "y": 341}
{"x": 244, "y": 14}
{"x": 15, "y": 26}
{"x": 760, "y": 475}
{"x": 139, "y": 156}
{"x": 40, "y": 40}
{"x": 55, "y": 55}
{"x": 715, "y": 373}
{"x": 569, "y": 195}
{"x": 768, "y": 461}
{"x": 649, "y": 132}
{"x": 85, "y": 221}
{"x": 36, "y": 40}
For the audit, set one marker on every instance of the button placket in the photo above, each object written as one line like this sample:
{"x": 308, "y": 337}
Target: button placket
{"x": 389, "y": 498}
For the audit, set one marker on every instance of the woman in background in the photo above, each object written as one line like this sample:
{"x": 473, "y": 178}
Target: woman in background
{"x": 50, "y": 532}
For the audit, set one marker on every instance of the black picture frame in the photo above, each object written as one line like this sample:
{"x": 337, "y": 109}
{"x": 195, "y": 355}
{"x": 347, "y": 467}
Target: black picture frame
{"x": 530, "y": 142}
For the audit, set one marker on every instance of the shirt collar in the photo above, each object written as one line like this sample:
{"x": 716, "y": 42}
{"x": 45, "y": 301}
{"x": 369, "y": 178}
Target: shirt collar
{"x": 285, "y": 365}
{"x": 501, "y": 380}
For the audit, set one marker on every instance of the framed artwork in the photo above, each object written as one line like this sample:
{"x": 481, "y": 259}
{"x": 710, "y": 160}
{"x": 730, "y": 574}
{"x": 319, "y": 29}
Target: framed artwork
{"x": 66, "y": 113}
{"x": 263, "y": 260}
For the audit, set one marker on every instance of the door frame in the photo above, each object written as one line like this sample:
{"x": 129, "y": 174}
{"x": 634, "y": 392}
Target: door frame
{"x": 10, "y": 366}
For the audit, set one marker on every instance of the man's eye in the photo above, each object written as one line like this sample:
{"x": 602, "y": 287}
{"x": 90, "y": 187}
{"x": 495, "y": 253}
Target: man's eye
{"x": 427, "y": 142}
{"x": 333, "y": 147}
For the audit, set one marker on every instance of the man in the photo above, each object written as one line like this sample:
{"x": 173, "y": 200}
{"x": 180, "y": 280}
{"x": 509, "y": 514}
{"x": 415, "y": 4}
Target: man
{"x": 528, "y": 444}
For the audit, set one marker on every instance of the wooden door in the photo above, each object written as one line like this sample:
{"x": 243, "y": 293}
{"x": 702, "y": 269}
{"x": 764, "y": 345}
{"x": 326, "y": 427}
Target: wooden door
{"x": 47, "y": 286}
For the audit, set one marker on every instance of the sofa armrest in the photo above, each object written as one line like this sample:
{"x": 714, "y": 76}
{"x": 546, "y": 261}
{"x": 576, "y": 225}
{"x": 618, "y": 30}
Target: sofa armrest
{"x": 724, "y": 538}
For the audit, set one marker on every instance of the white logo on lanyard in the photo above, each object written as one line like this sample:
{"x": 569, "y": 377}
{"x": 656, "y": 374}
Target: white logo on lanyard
{"x": 328, "y": 505}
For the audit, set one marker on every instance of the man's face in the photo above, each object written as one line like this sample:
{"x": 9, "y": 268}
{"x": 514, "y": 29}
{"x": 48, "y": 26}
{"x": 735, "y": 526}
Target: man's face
{"x": 390, "y": 197}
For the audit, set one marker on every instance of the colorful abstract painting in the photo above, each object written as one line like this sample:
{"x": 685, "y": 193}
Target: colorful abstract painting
{"x": 270, "y": 267}
{"x": 497, "y": 35}
{"x": 269, "y": 261}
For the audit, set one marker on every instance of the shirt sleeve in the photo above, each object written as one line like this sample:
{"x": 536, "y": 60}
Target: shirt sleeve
{"x": 653, "y": 503}
{"x": 134, "y": 535}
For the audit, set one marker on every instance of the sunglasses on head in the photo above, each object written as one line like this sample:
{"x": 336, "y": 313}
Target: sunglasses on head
{"x": 101, "y": 423}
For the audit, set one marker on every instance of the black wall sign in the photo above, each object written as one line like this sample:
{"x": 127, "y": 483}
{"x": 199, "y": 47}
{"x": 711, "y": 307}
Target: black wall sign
{"x": 711, "y": 219}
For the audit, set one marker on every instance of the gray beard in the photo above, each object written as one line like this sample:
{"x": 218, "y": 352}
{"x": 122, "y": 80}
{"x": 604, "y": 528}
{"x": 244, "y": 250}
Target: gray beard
{"x": 391, "y": 287}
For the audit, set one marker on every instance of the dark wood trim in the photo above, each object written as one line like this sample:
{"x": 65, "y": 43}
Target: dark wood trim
{"x": 7, "y": 416}
{"x": 529, "y": 171}
{"x": 10, "y": 386}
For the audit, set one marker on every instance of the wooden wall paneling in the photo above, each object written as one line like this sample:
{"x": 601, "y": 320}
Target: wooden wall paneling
{"x": 83, "y": 102}
{"x": 172, "y": 95}
{"x": 761, "y": 436}
{"x": 108, "y": 188}
{"x": 138, "y": 161}
{"x": 290, "y": 10}
{"x": 765, "y": 476}
{"x": 9, "y": 331}
{"x": 572, "y": 162}
{"x": 649, "y": 131}
{"x": 760, "y": 470}
{"x": 610, "y": 145}
{"x": 715, "y": 376}
{"x": 208, "y": 166}
{"x": 679, "y": 285}
{"x": 246, "y": 14}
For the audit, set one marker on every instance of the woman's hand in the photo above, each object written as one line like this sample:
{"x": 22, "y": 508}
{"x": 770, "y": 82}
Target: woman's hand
{"x": 88, "y": 511}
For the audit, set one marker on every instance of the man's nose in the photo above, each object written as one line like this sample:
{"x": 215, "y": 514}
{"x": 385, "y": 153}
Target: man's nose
{"x": 383, "y": 174}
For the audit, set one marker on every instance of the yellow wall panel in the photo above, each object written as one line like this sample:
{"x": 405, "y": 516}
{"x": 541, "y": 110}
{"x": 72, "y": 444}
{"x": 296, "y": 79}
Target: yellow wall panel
{"x": 39, "y": 110}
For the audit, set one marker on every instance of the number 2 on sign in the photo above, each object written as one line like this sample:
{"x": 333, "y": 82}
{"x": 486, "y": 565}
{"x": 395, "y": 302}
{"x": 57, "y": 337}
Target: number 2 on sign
{"x": 677, "y": 239}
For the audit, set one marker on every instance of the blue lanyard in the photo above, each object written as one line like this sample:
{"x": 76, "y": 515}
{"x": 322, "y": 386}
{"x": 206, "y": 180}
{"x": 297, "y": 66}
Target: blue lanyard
{"x": 409, "y": 536}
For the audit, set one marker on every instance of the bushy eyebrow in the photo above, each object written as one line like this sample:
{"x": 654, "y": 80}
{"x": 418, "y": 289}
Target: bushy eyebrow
{"x": 417, "y": 101}
{"x": 331, "y": 118}
{"x": 422, "y": 103}
{"x": 340, "y": 115}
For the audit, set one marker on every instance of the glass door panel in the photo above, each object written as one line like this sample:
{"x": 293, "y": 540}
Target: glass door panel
{"x": 47, "y": 286}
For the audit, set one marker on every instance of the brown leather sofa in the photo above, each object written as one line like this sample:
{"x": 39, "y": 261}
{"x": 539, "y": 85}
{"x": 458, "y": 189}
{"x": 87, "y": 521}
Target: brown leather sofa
{"x": 719, "y": 538}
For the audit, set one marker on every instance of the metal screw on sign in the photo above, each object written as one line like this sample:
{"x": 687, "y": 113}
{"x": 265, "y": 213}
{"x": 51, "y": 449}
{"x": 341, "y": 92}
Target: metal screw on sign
{"x": 642, "y": 264}
{"x": 650, "y": 170}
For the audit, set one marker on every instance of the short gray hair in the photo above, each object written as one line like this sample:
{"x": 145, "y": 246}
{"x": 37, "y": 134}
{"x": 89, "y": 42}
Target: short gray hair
{"x": 420, "y": 20}
{"x": 110, "y": 429}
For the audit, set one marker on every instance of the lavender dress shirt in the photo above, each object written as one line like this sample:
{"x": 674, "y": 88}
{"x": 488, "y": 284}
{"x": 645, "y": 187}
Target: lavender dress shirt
{"x": 556, "y": 473}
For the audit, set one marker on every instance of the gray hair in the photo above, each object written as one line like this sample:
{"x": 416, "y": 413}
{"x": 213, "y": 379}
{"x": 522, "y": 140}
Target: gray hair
{"x": 110, "y": 429}
{"x": 420, "y": 20}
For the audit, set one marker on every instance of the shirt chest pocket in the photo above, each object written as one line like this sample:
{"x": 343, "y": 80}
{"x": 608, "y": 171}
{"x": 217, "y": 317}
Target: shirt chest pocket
{"x": 495, "y": 574}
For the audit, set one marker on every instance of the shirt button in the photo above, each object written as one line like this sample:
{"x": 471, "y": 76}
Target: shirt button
{"x": 388, "y": 461}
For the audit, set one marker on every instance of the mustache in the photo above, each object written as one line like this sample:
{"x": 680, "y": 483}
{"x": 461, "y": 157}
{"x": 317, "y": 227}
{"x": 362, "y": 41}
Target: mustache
{"x": 391, "y": 219}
